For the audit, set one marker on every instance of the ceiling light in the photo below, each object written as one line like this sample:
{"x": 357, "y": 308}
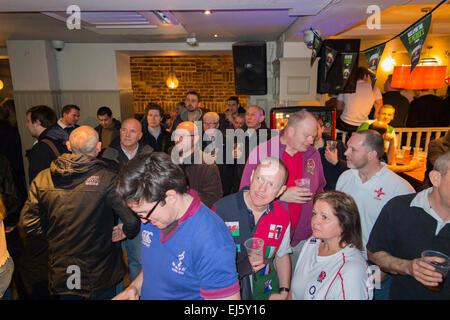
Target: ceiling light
{"x": 207, "y": 12}
{"x": 216, "y": 35}
{"x": 172, "y": 81}
{"x": 388, "y": 64}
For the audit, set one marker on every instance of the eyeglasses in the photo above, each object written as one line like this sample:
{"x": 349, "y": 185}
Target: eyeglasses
{"x": 147, "y": 216}
{"x": 183, "y": 136}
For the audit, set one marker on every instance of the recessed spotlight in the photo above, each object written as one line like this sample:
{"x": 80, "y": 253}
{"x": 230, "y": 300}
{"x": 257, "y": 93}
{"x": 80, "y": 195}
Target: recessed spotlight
{"x": 207, "y": 12}
{"x": 216, "y": 35}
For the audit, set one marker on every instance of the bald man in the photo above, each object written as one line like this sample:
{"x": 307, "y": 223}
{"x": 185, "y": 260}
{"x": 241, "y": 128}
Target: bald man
{"x": 256, "y": 132}
{"x": 128, "y": 144}
{"x": 202, "y": 173}
{"x": 72, "y": 205}
{"x": 294, "y": 146}
{"x": 124, "y": 148}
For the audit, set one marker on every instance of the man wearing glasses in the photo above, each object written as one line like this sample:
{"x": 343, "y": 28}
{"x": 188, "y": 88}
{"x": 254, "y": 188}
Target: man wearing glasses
{"x": 201, "y": 172}
{"x": 194, "y": 249}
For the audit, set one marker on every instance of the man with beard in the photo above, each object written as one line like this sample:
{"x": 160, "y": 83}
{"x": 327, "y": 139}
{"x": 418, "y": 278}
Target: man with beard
{"x": 192, "y": 111}
{"x": 371, "y": 184}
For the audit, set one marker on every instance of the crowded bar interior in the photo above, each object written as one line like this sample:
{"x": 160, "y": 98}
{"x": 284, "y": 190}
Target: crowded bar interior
{"x": 321, "y": 77}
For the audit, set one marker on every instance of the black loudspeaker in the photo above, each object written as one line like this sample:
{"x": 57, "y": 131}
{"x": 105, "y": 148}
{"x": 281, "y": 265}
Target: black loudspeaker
{"x": 250, "y": 72}
{"x": 332, "y": 84}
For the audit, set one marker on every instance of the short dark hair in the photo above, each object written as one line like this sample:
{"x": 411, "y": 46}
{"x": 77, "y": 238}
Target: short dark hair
{"x": 346, "y": 210}
{"x": 148, "y": 176}
{"x": 374, "y": 141}
{"x": 45, "y": 115}
{"x": 195, "y": 94}
{"x": 153, "y": 106}
{"x": 67, "y": 108}
{"x": 361, "y": 72}
{"x": 104, "y": 111}
{"x": 233, "y": 98}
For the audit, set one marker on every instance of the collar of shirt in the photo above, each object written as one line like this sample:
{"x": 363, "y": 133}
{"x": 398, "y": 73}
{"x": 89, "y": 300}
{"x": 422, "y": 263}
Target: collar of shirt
{"x": 151, "y": 132}
{"x": 130, "y": 156}
{"x": 373, "y": 177}
{"x": 62, "y": 125}
{"x": 251, "y": 217}
{"x": 421, "y": 201}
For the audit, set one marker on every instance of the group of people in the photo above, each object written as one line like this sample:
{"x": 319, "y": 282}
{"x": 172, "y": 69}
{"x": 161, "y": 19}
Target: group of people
{"x": 421, "y": 109}
{"x": 183, "y": 200}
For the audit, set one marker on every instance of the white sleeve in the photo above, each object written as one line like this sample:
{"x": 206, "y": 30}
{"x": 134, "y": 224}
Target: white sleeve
{"x": 352, "y": 284}
{"x": 285, "y": 246}
{"x": 377, "y": 94}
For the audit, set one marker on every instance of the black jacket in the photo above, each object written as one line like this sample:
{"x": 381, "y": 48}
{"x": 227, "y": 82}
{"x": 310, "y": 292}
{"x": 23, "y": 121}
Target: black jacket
{"x": 183, "y": 116}
{"x": 99, "y": 129}
{"x": 162, "y": 144}
{"x": 252, "y": 139}
{"x": 41, "y": 154}
{"x": 71, "y": 205}
{"x": 330, "y": 171}
{"x": 116, "y": 158}
{"x": 13, "y": 196}
{"x": 11, "y": 148}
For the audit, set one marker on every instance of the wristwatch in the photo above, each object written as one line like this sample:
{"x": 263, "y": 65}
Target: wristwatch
{"x": 283, "y": 289}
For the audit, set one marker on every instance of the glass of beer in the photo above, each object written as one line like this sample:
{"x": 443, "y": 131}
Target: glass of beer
{"x": 255, "y": 249}
{"x": 440, "y": 262}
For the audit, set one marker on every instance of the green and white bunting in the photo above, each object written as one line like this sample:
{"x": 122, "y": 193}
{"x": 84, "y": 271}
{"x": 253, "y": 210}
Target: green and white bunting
{"x": 349, "y": 60}
{"x": 373, "y": 56}
{"x": 317, "y": 44}
{"x": 414, "y": 38}
{"x": 330, "y": 57}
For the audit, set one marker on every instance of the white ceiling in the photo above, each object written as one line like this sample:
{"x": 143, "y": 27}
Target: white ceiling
{"x": 231, "y": 20}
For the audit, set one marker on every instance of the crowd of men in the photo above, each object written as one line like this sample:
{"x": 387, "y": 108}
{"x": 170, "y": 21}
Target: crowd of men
{"x": 152, "y": 190}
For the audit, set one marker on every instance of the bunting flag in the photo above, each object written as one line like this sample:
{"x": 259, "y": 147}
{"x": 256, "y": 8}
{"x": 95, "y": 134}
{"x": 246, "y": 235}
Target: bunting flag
{"x": 373, "y": 56}
{"x": 349, "y": 60}
{"x": 414, "y": 38}
{"x": 330, "y": 57}
{"x": 317, "y": 44}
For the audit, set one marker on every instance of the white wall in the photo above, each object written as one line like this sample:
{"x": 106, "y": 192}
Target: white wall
{"x": 95, "y": 67}
{"x": 33, "y": 65}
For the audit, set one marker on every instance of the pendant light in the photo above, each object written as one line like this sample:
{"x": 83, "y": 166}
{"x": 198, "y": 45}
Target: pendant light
{"x": 172, "y": 81}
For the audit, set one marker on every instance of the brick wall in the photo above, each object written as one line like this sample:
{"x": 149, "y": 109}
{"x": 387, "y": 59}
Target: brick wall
{"x": 212, "y": 76}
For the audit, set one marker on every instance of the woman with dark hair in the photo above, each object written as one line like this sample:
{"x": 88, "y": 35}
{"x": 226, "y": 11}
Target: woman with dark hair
{"x": 330, "y": 265}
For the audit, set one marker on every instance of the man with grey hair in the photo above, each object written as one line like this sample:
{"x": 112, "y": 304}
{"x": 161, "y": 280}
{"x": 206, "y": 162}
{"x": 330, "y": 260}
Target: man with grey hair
{"x": 214, "y": 144}
{"x": 370, "y": 183}
{"x": 71, "y": 205}
{"x": 201, "y": 172}
{"x": 407, "y": 226}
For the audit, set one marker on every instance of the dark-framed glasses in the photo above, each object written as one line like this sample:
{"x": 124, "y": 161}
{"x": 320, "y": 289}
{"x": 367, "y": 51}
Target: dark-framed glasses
{"x": 147, "y": 216}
